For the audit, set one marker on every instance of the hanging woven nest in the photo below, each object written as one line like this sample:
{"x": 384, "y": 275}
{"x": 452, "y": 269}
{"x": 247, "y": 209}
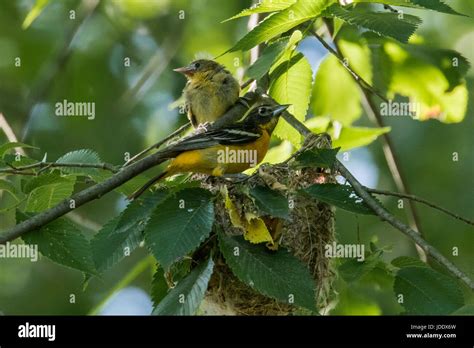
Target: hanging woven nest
{"x": 305, "y": 234}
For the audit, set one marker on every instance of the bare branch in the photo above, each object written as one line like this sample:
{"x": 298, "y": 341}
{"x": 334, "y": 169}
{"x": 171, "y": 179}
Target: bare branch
{"x": 364, "y": 84}
{"x": 421, "y": 200}
{"x": 158, "y": 144}
{"x": 405, "y": 229}
{"x": 387, "y": 145}
{"x": 19, "y": 170}
{"x": 384, "y": 214}
{"x": 89, "y": 194}
{"x": 7, "y": 129}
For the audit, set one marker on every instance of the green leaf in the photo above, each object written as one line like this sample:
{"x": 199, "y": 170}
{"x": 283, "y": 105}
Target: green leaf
{"x": 264, "y": 6}
{"x": 47, "y": 196}
{"x": 7, "y": 146}
{"x": 433, "y": 96}
{"x": 11, "y": 160}
{"x": 123, "y": 234}
{"x": 139, "y": 210}
{"x": 436, "y": 5}
{"x": 278, "y": 153}
{"x": 352, "y": 137}
{"x": 34, "y": 13}
{"x": 427, "y": 292}
{"x": 352, "y": 302}
{"x": 465, "y": 310}
{"x": 159, "y": 287}
{"x": 342, "y": 196}
{"x": 186, "y": 297}
{"x": 451, "y": 63}
{"x": 352, "y": 270}
{"x": 110, "y": 245}
{"x": 281, "y": 22}
{"x": 291, "y": 84}
{"x": 278, "y": 274}
{"x": 338, "y": 23}
{"x": 263, "y": 64}
{"x": 7, "y": 186}
{"x": 326, "y": 100}
{"x": 41, "y": 180}
{"x": 270, "y": 202}
{"x": 317, "y": 158}
{"x": 179, "y": 225}
{"x": 406, "y": 261}
{"x": 85, "y": 156}
{"x": 382, "y": 23}
{"x": 62, "y": 242}
{"x": 128, "y": 187}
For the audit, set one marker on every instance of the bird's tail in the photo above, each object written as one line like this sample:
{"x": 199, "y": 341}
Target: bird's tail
{"x": 150, "y": 182}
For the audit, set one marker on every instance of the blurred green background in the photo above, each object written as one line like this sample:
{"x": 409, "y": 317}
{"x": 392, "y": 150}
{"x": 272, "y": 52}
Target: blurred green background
{"x": 82, "y": 59}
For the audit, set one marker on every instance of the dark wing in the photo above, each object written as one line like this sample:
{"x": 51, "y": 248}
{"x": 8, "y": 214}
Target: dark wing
{"x": 225, "y": 136}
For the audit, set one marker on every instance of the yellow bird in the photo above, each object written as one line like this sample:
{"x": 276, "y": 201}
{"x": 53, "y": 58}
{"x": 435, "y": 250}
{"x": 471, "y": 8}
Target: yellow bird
{"x": 228, "y": 150}
{"x": 210, "y": 91}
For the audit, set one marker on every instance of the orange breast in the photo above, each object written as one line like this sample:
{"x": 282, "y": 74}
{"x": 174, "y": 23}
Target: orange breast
{"x": 221, "y": 159}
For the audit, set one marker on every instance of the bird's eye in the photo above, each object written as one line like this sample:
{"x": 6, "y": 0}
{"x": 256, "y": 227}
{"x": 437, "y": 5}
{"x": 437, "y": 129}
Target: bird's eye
{"x": 197, "y": 65}
{"x": 262, "y": 111}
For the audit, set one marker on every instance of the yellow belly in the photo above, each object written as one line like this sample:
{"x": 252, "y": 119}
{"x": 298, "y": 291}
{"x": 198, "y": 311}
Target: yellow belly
{"x": 219, "y": 160}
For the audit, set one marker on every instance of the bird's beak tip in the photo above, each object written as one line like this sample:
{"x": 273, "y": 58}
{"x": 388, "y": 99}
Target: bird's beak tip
{"x": 184, "y": 70}
{"x": 280, "y": 108}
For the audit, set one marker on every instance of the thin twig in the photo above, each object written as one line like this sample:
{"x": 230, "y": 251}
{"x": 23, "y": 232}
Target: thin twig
{"x": 14, "y": 172}
{"x": 43, "y": 85}
{"x": 364, "y": 84}
{"x": 421, "y": 200}
{"x": 158, "y": 144}
{"x": 11, "y": 137}
{"x": 246, "y": 83}
{"x": 405, "y": 229}
{"x": 104, "y": 166}
{"x": 387, "y": 146}
{"x": 385, "y": 215}
{"x": 151, "y": 72}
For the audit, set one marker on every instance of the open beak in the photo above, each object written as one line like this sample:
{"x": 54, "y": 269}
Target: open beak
{"x": 185, "y": 70}
{"x": 279, "y": 109}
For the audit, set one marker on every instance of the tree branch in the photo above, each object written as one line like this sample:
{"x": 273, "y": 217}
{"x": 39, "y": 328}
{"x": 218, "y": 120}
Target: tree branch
{"x": 405, "y": 229}
{"x": 363, "y": 84}
{"x": 46, "y": 165}
{"x": 387, "y": 146}
{"x": 150, "y": 161}
{"x": 82, "y": 197}
{"x": 158, "y": 144}
{"x": 419, "y": 199}
{"x": 384, "y": 214}
{"x": 98, "y": 190}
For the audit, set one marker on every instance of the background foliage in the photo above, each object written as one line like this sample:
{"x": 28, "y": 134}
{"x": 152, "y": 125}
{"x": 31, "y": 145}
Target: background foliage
{"x": 133, "y": 110}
